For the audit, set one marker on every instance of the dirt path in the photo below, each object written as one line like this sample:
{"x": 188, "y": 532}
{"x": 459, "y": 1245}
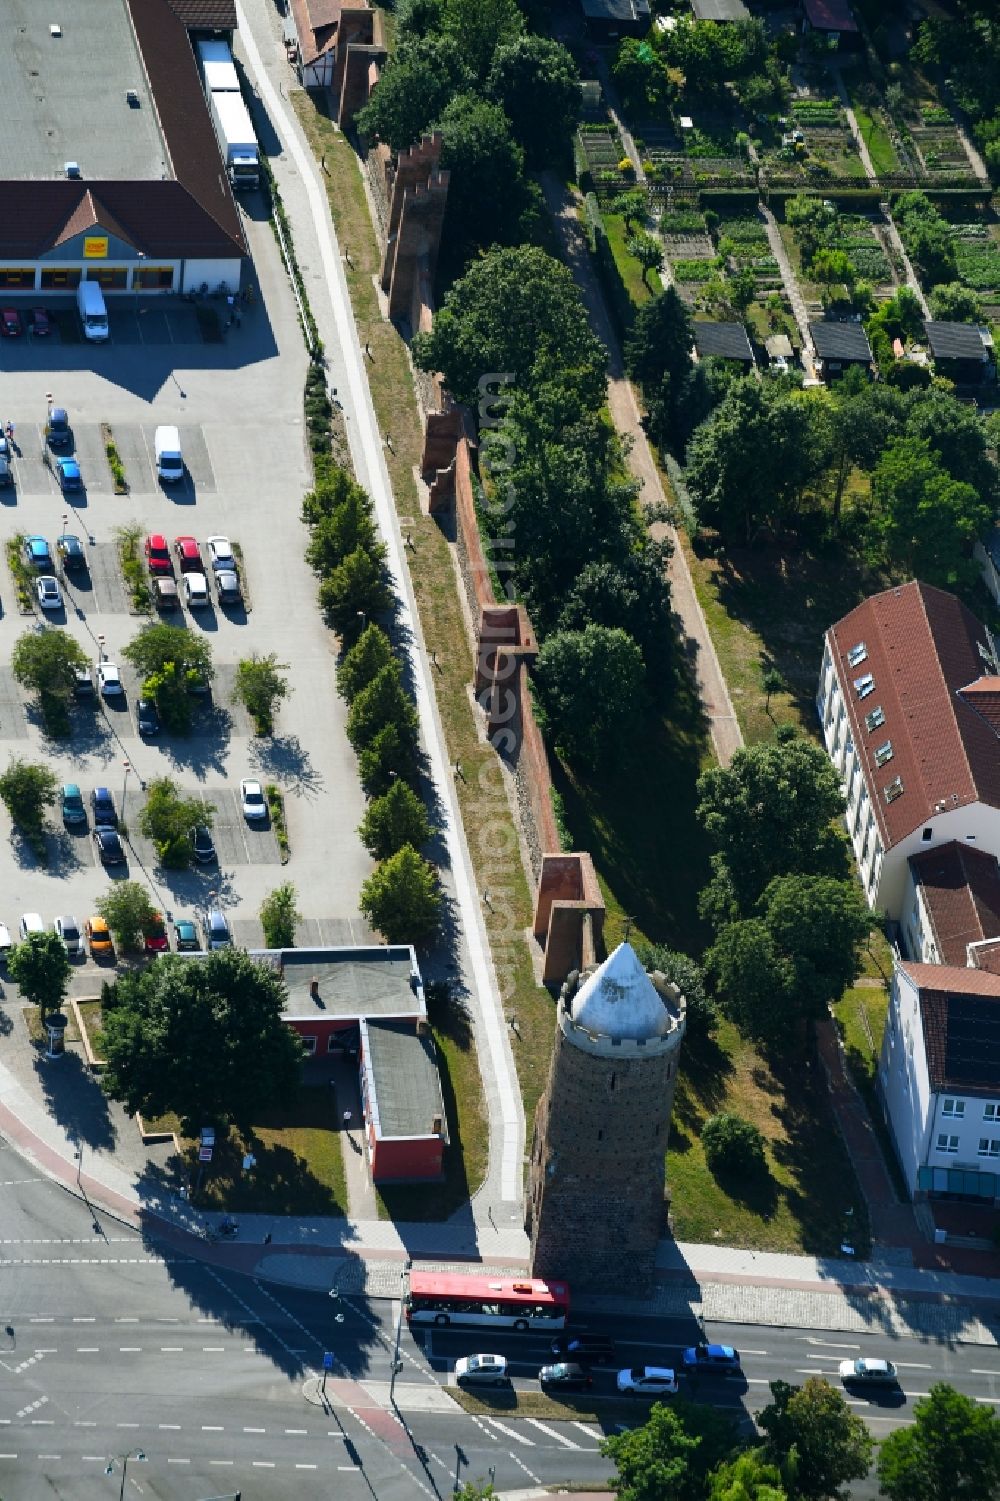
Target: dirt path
{"x": 791, "y": 286}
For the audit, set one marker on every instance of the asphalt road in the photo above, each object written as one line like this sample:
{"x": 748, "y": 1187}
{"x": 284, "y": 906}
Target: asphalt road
{"x": 109, "y": 1344}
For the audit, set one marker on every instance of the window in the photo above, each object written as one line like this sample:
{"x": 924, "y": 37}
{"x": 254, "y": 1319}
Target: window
{"x": 953, "y": 1109}
{"x": 883, "y": 753}
{"x": 60, "y": 279}
{"x": 857, "y": 654}
{"x": 947, "y": 1143}
{"x": 153, "y": 278}
{"x": 989, "y": 1146}
{"x": 991, "y": 1112}
{"x": 309, "y": 1045}
{"x": 875, "y": 718}
{"x": 927, "y": 836}
{"x": 18, "y": 278}
{"x": 864, "y": 686}
{"x": 894, "y": 790}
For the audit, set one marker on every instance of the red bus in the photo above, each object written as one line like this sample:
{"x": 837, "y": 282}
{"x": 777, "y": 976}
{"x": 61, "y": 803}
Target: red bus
{"x": 494, "y": 1302}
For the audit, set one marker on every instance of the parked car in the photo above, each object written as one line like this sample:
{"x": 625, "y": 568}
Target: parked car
{"x": 6, "y": 472}
{"x": 165, "y": 595}
{"x": 188, "y": 554}
{"x": 147, "y": 717}
{"x": 49, "y": 593}
{"x": 481, "y": 1370}
{"x": 83, "y": 683}
{"x": 5, "y": 942}
{"x": 10, "y": 321}
{"x": 648, "y": 1381}
{"x": 39, "y": 322}
{"x": 31, "y": 922}
{"x": 196, "y": 590}
{"x": 68, "y": 474}
{"x": 868, "y": 1372}
{"x": 69, "y": 550}
{"x": 110, "y": 679}
{"x": 591, "y": 1349}
{"x": 706, "y": 1357}
{"x": 58, "y": 433}
{"x": 252, "y": 800}
{"x": 68, "y": 929}
{"x": 220, "y": 554}
{"x": 98, "y": 936}
{"x": 565, "y": 1376}
{"x": 186, "y": 935}
{"x": 109, "y": 846}
{"x": 154, "y": 935}
{"x": 217, "y": 932}
{"x": 157, "y": 554}
{"x": 204, "y": 848}
{"x": 103, "y": 808}
{"x": 227, "y": 586}
{"x": 73, "y": 810}
{"x": 37, "y": 555}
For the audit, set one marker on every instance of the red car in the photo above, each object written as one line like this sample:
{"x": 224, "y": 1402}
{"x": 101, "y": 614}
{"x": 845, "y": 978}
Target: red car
{"x": 188, "y": 555}
{"x": 41, "y": 324}
{"x": 154, "y": 939}
{"x": 158, "y": 554}
{"x": 10, "y": 322}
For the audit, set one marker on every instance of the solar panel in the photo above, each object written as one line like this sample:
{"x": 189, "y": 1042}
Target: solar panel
{"x": 972, "y": 1048}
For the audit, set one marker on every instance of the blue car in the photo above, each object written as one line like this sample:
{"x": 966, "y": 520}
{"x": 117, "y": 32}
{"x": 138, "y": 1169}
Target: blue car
{"x": 103, "y": 805}
{"x": 36, "y": 552}
{"x": 68, "y": 471}
{"x": 711, "y": 1358}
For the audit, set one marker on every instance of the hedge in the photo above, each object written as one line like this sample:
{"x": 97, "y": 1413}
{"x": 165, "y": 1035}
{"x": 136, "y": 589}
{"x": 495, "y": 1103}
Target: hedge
{"x": 619, "y": 302}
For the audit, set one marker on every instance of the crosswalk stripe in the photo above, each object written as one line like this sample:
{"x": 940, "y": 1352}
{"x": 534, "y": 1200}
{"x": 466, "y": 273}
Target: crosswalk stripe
{"x": 553, "y": 1433}
{"x": 520, "y": 1438}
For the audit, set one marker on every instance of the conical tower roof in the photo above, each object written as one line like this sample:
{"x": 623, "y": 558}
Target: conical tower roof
{"x": 620, "y": 1001}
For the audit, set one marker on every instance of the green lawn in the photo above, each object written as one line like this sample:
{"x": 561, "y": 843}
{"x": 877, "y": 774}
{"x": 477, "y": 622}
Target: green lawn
{"x": 860, "y": 1015}
{"x": 629, "y": 269}
{"x": 801, "y": 1204}
{"x": 876, "y": 138}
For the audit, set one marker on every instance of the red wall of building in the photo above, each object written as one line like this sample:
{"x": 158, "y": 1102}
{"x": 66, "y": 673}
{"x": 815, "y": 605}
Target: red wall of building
{"x": 413, "y": 1157}
{"x": 322, "y": 1029}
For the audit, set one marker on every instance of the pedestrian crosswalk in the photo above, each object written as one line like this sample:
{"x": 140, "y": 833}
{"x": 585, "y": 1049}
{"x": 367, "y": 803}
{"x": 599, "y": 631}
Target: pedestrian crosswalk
{"x": 559, "y": 1435}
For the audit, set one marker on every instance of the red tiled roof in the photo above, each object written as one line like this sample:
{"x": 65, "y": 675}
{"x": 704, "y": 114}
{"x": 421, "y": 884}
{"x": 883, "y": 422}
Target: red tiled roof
{"x": 206, "y": 15}
{"x": 984, "y": 697}
{"x": 987, "y": 956}
{"x": 961, "y": 889}
{"x": 952, "y": 979}
{"x": 316, "y": 24}
{"x": 829, "y": 15}
{"x": 922, "y": 650}
{"x": 88, "y": 214}
{"x": 951, "y": 999}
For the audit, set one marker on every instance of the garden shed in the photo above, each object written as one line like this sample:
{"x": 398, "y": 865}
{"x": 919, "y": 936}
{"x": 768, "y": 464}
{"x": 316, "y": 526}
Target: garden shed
{"x": 607, "y": 19}
{"x": 961, "y": 351}
{"x": 726, "y": 341}
{"x": 839, "y": 345}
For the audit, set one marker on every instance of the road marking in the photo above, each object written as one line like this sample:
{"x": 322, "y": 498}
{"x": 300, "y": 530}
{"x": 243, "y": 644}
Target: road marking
{"x": 263, "y": 1464}
{"x": 255, "y": 1430}
{"x": 511, "y": 1433}
{"x": 296, "y": 1430}
{"x": 8, "y": 1456}
{"x": 757, "y": 1381}
{"x": 222, "y": 1461}
{"x": 310, "y": 1467}
{"x": 744, "y": 1351}
{"x": 50, "y": 1456}
{"x": 41, "y": 1321}
{"x": 552, "y": 1433}
{"x": 171, "y": 1349}
{"x": 531, "y": 1476}
{"x": 813, "y": 1371}
{"x": 590, "y": 1432}
{"x": 811, "y": 1339}
{"x": 88, "y": 1349}
{"x": 126, "y": 1321}
{"x": 212, "y": 1428}
{"x": 98, "y": 1458}
{"x": 43, "y": 1422}
{"x": 84, "y": 1423}
{"x": 339, "y": 1467}
{"x": 912, "y": 1365}
{"x": 90, "y": 1320}
{"x": 126, "y": 1425}
{"x": 221, "y": 1350}
{"x": 993, "y": 1400}
{"x": 178, "y": 1461}
{"x": 975, "y": 1371}
{"x": 129, "y": 1349}
{"x": 173, "y": 1427}
{"x": 916, "y": 1394}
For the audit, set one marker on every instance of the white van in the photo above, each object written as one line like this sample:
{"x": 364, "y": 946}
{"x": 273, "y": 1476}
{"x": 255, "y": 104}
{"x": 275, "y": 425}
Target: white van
{"x": 93, "y": 313}
{"x": 30, "y": 923}
{"x": 169, "y": 460}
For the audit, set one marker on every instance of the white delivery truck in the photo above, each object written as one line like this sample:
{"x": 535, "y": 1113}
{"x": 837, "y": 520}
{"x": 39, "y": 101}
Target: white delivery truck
{"x": 217, "y": 69}
{"x": 237, "y": 141}
{"x": 93, "y": 313}
{"x": 169, "y": 459}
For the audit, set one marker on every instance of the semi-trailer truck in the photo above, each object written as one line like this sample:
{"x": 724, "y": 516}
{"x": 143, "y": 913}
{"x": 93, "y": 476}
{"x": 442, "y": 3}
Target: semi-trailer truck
{"x": 237, "y": 141}
{"x": 218, "y": 71}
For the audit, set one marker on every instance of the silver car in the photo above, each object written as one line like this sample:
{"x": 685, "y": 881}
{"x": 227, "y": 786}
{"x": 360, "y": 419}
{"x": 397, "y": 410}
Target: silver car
{"x": 866, "y": 1372}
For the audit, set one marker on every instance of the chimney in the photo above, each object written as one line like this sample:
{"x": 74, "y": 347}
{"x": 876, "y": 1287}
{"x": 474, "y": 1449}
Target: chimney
{"x": 437, "y": 1126}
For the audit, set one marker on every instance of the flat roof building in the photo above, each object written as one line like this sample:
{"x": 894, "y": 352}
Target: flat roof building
{"x": 838, "y": 345}
{"x": 109, "y": 165}
{"x": 612, "y": 18}
{"x": 720, "y": 10}
{"x": 726, "y": 341}
{"x": 402, "y": 1100}
{"x": 961, "y": 351}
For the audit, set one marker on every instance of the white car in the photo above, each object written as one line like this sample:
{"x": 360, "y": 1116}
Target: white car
{"x": 220, "y": 554}
{"x": 49, "y": 593}
{"x": 70, "y": 932}
{"x": 252, "y": 800}
{"x": 648, "y": 1380}
{"x": 109, "y": 679}
{"x": 866, "y": 1372}
{"x": 196, "y": 590}
{"x": 481, "y": 1370}
{"x": 31, "y": 922}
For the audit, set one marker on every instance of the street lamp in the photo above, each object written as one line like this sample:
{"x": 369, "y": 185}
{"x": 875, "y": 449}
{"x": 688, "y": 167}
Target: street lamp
{"x": 397, "y": 1364}
{"x": 128, "y": 767}
{"x": 123, "y": 1460}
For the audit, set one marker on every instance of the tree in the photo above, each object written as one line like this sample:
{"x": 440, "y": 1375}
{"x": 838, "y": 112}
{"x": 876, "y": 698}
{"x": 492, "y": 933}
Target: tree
{"x": 480, "y": 27}
{"x": 647, "y": 250}
{"x": 832, "y": 266}
{"x": 279, "y": 917}
{"x": 341, "y": 531}
{"x": 953, "y": 302}
{"x": 206, "y": 1040}
{"x": 732, "y": 1145}
{"x": 365, "y": 660}
{"x": 671, "y": 1455}
{"x": 259, "y": 687}
{"x": 950, "y": 1452}
{"x": 956, "y": 435}
{"x": 486, "y": 190}
{"x": 171, "y": 661}
{"x": 661, "y": 340}
{"x": 687, "y": 974}
{"x": 633, "y": 206}
{"x": 26, "y": 790}
{"x": 748, "y": 1477}
{"x": 641, "y": 78}
{"x": 46, "y": 662}
{"x": 128, "y": 912}
{"x": 513, "y": 312}
{"x": 355, "y": 590}
{"x": 820, "y": 924}
{"x": 770, "y": 813}
{"x": 589, "y": 687}
{"x": 396, "y": 818}
{"x": 927, "y": 237}
{"x": 41, "y": 969}
{"x": 633, "y": 593}
{"x": 383, "y": 702}
{"x": 402, "y": 898}
{"x": 419, "y": 79}
{"x": 168, "y": 818}
{"x": 771, "y": 681}
{"x": 817, "y": 1442}
{"x": 753, "y": 979}
{"x": 386, "y": 759}
{"x": 335, "y": 487}
{"x": 925, "y": 521}
{"x": 537, "y": 85}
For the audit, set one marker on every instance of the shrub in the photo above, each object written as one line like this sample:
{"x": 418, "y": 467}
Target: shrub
{"x": 732, "y": 1145}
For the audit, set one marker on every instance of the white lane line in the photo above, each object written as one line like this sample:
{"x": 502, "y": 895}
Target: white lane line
{"x": 560, "y": 1438}
{"x": 126, "y": 1321}
{"x": 530, "y": 1473}
{"x": 170, "y": 1427}
{"x": 222, "y": 1461}
{"x": 178, "y": 1461}
{"x": 42, "y": 1422}
{"x": 745, "y": 1351}
{"x": 212, "y": 1428}
{"x": 171, "y": 1349}
{"x": 590, "y": 1432}
{"x": 91, "y": 1320}
{"x": 126, "y": 1425}
{"x": 99, "y": 1458}
{"x": 991, "y": 1400}
{"x": 84, "y": 1423}
{"x": 255, "y": 1430}
{"x": 912, "y": 1365}
{"x": 213, "y": 1349}
{"x": 296, "y": 1430}
{"x": 757, "y": 1381}
{"x": 262, "y": 1464}
{"x": 975, "y": 1371}
{"x": 129, "y": 1349}
{"x": 42, "y": 1321}
{"x": 88, "y": 1349}
{"x": 511, "y": 1433}
{"x": 313, "y": 1467}
{"x": 810, "y": 1339}
{"x": 916, "y": 1394}
{"x": 8, "y": 1456}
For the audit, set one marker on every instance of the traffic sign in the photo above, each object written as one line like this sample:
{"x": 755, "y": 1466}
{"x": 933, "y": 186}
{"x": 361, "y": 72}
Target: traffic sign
{"x": 328, "y": 1360}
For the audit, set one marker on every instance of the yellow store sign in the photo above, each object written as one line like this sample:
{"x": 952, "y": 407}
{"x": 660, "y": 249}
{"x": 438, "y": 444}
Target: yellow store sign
{"x": 95, "y": 247}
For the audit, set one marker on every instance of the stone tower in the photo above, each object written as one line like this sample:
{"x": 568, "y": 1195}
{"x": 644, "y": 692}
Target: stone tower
{"x": 595, "y": 1207}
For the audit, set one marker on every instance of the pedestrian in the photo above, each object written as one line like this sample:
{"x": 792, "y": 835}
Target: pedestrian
{"x": 322, "y": 162}
{"x": 368, "y": 351}
{"x": 348, "y": 1117}
{"x": 267, "y": 1238}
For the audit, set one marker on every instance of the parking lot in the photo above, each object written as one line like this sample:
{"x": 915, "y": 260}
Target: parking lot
{"x": 240, "y": 422}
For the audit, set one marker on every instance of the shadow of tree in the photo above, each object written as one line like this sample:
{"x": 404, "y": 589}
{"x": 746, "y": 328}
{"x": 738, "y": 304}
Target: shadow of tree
{"x": 75, "y": 1100}
{"x": 285, "y": 757}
